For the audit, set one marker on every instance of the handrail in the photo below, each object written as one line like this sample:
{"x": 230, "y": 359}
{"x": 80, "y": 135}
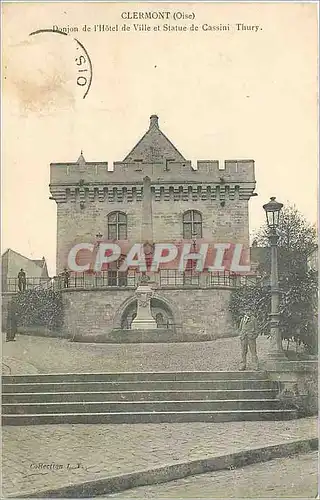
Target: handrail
{"x": 165, "y": 278}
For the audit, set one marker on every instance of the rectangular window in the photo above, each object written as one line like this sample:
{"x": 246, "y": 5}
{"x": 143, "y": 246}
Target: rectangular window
{"x": 122, "y": 232}
{"x": 187, "y": 231}
{"x": 112, "y": 232}
{"x": 197, "y": 230}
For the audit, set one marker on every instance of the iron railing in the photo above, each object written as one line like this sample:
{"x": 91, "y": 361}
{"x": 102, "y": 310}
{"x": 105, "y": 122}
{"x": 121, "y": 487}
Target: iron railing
{"x": 99, "y": 280}
{"x": 165, "y": 278}
{"x": 12, "y": 284}
{"x": 174, "y": 278}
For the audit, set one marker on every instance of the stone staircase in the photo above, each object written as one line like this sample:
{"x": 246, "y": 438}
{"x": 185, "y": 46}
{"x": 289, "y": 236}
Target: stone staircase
{"x": 114, "y": 398}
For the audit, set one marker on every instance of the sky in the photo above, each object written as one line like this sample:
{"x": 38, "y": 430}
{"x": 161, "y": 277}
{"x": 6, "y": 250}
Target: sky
{"x": 231, "y": 94}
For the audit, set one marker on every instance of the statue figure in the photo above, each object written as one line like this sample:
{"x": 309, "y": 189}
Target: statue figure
{"x": 22, "y": 280}
{"x": 248, "y": 338}
{"x": 144, "y": 278}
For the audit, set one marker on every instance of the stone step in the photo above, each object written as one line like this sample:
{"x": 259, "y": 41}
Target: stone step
{"x": 140, "y": 398}
{"x": 132, "y": 377}
{"x": 147, "y": 417}
{"x": 138, "y": 386}
{"x": 140, "y": 406}
{"x": 182, "y": 395}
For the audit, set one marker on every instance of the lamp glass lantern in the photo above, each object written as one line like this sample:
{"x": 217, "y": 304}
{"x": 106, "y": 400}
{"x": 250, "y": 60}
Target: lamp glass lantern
{"x": 273, "y": 209}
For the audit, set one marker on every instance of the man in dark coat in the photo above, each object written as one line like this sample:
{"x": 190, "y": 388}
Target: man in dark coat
{"x": 22, "y": 280}
{"x": 66, "y": 277}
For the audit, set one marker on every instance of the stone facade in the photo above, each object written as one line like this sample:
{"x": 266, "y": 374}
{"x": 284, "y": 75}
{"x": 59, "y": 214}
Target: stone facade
{"x": 98, "y": 315}
{"x": 86, "y": 193}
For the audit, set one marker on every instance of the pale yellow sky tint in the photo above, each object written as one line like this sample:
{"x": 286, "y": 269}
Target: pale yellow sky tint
{"x": 218, "y": 95}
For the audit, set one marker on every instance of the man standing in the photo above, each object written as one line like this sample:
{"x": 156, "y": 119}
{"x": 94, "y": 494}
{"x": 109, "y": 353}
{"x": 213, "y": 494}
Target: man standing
{"x": 248, "y": 337}
{"x": 66, "y": 277}
{"x": 22, "y": 280}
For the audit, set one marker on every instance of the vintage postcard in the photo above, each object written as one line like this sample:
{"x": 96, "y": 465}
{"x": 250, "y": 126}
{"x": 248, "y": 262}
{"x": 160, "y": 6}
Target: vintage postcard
{"x": 159, "y": 249}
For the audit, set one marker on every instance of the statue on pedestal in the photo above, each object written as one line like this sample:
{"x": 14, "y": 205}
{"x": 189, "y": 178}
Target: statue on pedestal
{"x": 144, "y": 319}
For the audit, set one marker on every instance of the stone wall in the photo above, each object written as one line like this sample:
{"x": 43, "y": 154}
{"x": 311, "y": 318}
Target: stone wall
{"x": 228, "y": 224}
{"x": 297, "y": 383}
{"x": 197, "y": 314}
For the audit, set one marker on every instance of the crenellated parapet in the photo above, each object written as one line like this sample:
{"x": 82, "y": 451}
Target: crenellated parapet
{"x": 84, "y": 182}
{"x": 228, "y": 171}
{"x": 168, "y": 171}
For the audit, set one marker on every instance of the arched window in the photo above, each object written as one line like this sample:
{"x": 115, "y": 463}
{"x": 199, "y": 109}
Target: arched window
{"x": 117, "y": 226}
{"x": 192, "y": 225}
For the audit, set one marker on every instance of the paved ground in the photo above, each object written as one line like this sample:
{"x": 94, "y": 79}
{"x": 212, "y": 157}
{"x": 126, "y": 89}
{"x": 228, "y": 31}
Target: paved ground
{"x": 70, "y": 454}
{"x": 99, "y": 451}
{"x": 31, "y": 354}
{"x": 294, "y": 477}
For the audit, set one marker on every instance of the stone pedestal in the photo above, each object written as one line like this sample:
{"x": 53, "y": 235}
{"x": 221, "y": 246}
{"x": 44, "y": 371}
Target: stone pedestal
{"x": 144, "y": 319}
{"x": 297, "y": 384}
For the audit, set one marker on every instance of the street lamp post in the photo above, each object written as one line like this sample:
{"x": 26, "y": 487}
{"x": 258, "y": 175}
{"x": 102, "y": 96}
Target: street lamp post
{"x": 273, "y": 209}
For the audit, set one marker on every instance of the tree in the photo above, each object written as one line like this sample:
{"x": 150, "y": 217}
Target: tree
{"x": 297, "y": 238}
{"x": 298, "y": 284}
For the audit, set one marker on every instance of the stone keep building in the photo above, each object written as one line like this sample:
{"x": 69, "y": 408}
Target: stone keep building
{"x": 209, "y": 202}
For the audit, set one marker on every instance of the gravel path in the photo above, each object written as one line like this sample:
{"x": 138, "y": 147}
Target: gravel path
{"x": 53, "y": 355}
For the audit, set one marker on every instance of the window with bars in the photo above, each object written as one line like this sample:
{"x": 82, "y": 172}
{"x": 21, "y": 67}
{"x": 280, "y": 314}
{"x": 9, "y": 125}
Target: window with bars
{"x": 117, "y": 226}
{"x": 192, "y": 224}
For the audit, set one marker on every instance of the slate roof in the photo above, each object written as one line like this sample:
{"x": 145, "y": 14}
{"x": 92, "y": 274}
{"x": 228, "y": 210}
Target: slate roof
{"x": 154, "y": 147}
